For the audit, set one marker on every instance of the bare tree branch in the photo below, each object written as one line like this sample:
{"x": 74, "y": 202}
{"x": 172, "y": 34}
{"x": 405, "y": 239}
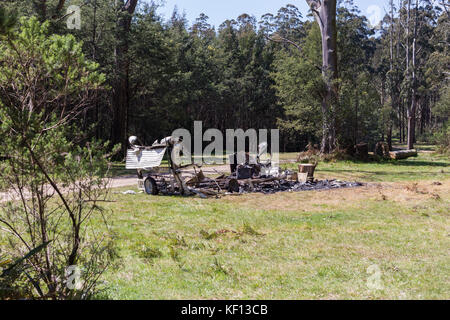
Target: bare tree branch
{"x": 296, "y": 45}
{"x": 314, "y": 5}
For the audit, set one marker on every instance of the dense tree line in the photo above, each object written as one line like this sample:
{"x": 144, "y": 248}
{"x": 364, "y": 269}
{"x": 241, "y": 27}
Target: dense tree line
{"x": 264, "y": 73}
{"x": 414, "y": 45}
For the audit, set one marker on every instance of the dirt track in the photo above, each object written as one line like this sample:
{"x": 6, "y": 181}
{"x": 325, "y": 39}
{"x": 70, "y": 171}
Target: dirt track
{"x": 129, "y": 180}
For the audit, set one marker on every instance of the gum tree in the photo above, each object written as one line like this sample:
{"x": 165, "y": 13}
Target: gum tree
{"x": 324, "y": 12}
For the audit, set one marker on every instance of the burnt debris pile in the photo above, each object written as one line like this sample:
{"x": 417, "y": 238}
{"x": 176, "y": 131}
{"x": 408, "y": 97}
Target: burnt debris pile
{"x": 249, "y": 173}
{"x": 294, "y": 186}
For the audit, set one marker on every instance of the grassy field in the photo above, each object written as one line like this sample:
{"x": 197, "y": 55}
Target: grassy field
{"x": 387, "y": 240}
{"x": 427, "y": 166}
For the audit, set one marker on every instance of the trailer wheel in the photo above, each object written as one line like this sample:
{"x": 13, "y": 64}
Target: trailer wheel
{"x": 150, "y": 186}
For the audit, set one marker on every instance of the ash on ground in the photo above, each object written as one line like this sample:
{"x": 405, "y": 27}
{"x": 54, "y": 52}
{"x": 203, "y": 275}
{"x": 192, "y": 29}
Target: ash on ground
{"x": 292, "y": 186}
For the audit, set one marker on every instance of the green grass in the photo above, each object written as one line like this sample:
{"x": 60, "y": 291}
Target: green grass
{"x": 420, "y": 146}
{"x": 426, "y": 166}
{"x": 306, "y": 245}
{"x": 309, "y": 245}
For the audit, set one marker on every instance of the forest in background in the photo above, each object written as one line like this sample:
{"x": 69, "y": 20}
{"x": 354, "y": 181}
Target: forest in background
{"x": 261, "y": 72}
{"x": 70, "y": 97}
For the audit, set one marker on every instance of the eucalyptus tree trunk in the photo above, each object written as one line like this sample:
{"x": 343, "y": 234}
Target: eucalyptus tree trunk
{"x": 325, "y": 14}
{"x": 408, "y": 72}
{"x": 413, "y": 106}
{"x": 400, "y": 99}
{"x": 391, "y": 74}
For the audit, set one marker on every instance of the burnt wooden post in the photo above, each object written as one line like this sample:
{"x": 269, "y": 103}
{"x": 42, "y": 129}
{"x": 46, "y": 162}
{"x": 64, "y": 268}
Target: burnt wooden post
{"x": 309, "y": 169}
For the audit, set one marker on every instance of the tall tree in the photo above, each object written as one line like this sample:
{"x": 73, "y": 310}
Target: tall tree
{"x": 122, "y": 87}
{"x": 324, "y": 12}
{"x": 392, "y": 91}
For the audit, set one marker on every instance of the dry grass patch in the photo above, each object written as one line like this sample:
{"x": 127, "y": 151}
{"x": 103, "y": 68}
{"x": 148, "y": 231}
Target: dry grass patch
{"x": 407, "y": 193}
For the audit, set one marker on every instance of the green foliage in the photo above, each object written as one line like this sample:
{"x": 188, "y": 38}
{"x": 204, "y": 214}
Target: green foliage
{"x": 7, "y": 21}
{"x": 298, "y": 86}
{"x": 442, "y": 139}
{"x": 359, "y": 95}
{"x": 442, "y": 112}
{"x": 58, "y": 65}
{"x": 55, "y": 176}
{"x": 442, "y": 107}
{"x": 15, "y": 271}
{"x": 233, "y": 76}
{"x": 208, "y": 236}
{"x": 185, "y": 75}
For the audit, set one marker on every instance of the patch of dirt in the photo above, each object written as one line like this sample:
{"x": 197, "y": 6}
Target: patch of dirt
{"x": 404, "y": 192}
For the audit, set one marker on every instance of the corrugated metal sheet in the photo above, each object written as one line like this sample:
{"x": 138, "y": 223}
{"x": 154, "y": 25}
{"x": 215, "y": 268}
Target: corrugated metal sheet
{"x": 145, "y": 159}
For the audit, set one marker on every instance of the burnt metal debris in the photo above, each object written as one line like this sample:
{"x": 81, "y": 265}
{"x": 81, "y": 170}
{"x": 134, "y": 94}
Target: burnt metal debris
{"x": 293, "y": 186}
{"x": 252, "y": 176}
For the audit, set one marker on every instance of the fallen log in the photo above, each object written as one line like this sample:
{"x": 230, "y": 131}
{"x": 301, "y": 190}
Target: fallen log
{"x": 403, "y": 154}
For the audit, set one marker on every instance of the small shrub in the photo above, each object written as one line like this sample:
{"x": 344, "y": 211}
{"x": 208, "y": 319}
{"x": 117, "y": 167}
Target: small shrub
{"x": 57, "y": 177}
{"x": 442, "y": 140}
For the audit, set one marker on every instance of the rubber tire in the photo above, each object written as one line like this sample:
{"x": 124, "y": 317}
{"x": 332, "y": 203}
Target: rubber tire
{"x": 150, "y": 186}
